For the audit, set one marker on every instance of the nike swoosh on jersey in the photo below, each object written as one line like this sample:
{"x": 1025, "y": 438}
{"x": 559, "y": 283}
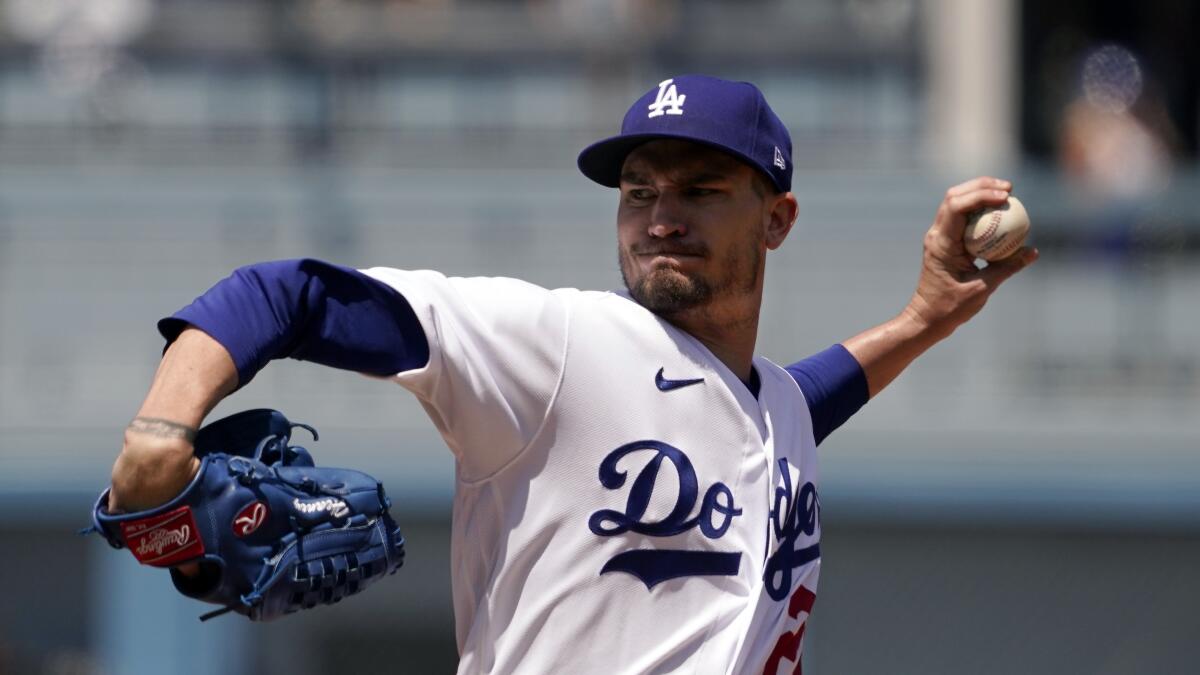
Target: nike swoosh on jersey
{"x": 664, "y": 384}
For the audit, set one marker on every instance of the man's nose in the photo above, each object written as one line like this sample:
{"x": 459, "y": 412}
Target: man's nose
{"x": 667, "y": 217}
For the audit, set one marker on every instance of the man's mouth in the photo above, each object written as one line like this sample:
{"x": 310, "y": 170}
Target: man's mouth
{"x": 669, "y": 260}
{"x": 668, "y": 253}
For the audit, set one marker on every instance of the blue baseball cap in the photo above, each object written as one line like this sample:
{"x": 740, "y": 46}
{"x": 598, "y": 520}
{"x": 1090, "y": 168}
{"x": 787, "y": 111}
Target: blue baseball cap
{"x": 730, "y": 116}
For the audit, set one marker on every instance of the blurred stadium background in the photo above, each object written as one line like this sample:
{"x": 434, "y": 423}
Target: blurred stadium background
{"x": 1024, "y": 501}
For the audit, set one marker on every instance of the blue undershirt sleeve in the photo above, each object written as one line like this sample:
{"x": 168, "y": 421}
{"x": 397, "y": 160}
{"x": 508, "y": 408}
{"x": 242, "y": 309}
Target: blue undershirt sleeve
{"x": 834, "y": 385}
{"x": 308, "y": 310}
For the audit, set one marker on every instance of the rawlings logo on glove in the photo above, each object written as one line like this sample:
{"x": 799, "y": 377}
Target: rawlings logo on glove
{"x": 249, "y": 519}
{"x": 270, "y": 532}
{"x": 163, "y": 540}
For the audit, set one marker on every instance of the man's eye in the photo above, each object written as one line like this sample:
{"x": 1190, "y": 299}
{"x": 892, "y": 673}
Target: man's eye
{"x": 701, "y": 192}
{"x": 641, "y": 194}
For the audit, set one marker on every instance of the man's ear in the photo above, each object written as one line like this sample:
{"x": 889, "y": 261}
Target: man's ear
{"x": 780, "y": 218}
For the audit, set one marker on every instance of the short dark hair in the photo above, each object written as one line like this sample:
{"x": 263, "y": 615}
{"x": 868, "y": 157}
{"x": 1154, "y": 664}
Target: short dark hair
{"x": 763, "y": 186}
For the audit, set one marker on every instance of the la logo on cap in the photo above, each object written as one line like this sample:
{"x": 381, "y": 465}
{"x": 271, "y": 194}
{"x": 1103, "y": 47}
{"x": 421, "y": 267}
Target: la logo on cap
{"x": 669, "y": 101}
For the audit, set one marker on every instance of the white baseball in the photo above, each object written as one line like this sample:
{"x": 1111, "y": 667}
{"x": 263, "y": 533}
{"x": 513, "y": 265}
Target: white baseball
{"x": 997, "y": 232}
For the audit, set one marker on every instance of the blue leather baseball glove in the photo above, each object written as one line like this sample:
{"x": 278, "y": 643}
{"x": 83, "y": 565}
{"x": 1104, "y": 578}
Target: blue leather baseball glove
{"x": 271, "y": 532}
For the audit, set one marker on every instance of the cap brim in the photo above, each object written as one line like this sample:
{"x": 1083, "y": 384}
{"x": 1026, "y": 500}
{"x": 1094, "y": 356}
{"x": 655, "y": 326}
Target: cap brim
{"x": 602, "y": 161}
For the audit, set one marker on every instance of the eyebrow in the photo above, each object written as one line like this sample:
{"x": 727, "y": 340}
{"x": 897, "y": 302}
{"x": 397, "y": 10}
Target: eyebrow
{"x": 706, "y": 178}
{"x": 634, "y": 177}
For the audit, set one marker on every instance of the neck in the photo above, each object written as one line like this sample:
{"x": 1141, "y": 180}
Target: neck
{"x": 729, "y": 331}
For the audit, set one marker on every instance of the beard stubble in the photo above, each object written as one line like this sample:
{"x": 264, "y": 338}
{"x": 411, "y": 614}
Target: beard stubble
{"x": 668, "y": 292}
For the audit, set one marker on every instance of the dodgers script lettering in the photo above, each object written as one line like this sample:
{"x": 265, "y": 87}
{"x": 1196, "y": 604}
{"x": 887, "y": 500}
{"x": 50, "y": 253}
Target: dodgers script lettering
{"x": 716, "y": 513}
{"x": 793, "y": 514}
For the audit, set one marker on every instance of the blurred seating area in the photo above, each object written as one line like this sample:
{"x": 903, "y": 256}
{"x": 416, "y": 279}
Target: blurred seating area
{"x": 420, "y": 83}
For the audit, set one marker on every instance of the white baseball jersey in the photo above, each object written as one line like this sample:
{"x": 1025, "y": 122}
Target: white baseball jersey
{"x": 624, "y": 504}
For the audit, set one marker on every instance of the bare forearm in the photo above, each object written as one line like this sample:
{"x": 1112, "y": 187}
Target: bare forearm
{"x": 156, "y": 461}
{"x": 887, "y": 349}
{"x": 195, "y": 374}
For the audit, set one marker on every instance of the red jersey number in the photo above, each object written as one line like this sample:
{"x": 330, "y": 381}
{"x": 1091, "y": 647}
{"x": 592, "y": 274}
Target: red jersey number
{"x": 788, "y": 644}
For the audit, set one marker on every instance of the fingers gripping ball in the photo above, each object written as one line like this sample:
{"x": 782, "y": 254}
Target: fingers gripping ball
{"x": 272, "y": 533}
{"x": 996, "y": 233}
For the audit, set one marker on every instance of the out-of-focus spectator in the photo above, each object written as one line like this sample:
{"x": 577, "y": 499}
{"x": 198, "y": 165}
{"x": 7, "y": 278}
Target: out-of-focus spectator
{"x": 1105, "y": 144}
{"x": 1115, "y": 143}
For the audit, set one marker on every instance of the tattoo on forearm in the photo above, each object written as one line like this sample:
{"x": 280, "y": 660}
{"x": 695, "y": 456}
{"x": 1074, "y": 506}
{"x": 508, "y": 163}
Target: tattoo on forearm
{"x": 162, "y": 428}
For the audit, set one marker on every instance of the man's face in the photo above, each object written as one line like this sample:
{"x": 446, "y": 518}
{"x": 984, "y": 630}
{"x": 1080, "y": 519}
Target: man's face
{"x": 691, "y": 227}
